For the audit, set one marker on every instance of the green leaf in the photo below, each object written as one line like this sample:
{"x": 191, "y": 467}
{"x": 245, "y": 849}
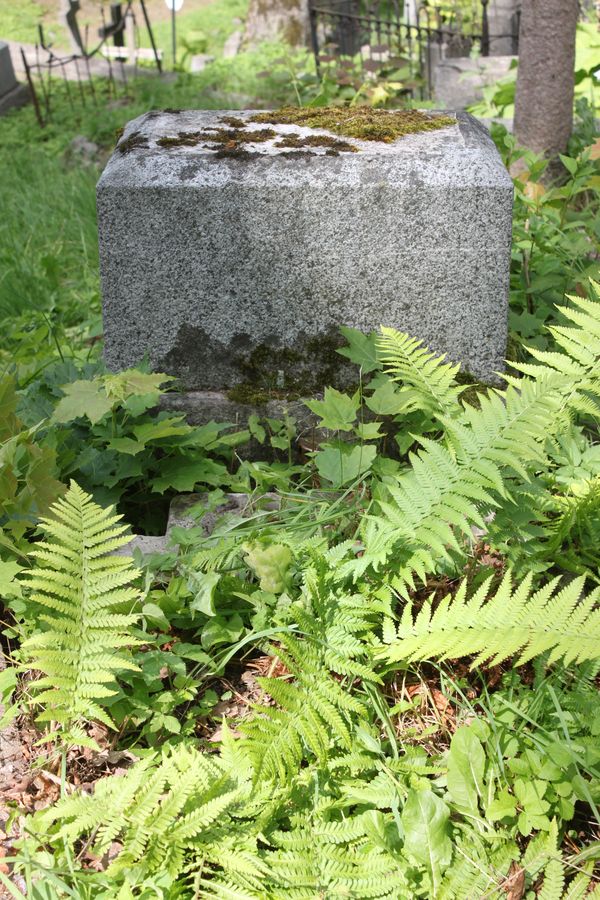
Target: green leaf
{"x": 466, "y": 765}
{"x": 425, "y": 819}
{"x": 154, "y": 431}
{"x": 222, "y": 631}
{"x": 203, "y": 586}
{"x": 184, "y": 474}
{"x": 82, "y": 399}
{"x": 337, "y": 411}
{"x": 133, "y": 383}
{"x": 369, "y": 431}
{"x": 125, "y": 445}
{"x": 569, "y": 163}
{"x": 9, "y": 586}
{"x": 386, "y": 400}
{"x": 503, "y": 806}
{"x": 361, "y": 349}
{"x": 343, "y": 464}
{"x": 270, "y": 564}
{"x": 155, "y": 613}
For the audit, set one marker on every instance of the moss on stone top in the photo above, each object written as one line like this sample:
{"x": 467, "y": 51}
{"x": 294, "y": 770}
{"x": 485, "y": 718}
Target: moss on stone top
{"x": 219, "y": 138}
{"x": 332, "y": 145}
{"x": 361, "y": 122}
{"x": 135, "y": 141}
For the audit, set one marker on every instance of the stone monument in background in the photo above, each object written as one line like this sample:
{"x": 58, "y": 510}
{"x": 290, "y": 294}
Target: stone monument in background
{"x": 12, "y": 94}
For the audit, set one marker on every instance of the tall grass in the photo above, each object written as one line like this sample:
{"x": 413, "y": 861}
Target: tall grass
{"x": 48, "y": 238}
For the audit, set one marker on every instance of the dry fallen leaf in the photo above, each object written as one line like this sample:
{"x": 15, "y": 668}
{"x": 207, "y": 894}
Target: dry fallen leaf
{"x": 514, "y": 883}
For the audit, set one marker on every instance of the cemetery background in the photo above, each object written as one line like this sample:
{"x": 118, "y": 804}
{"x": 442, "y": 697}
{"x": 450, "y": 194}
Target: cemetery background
{"x": 368, "y": 747}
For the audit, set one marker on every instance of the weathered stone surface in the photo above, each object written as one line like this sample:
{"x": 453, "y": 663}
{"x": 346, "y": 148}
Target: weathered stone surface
{"x": 458, "y": 82}
{"x": 12, "y": 94}
{"x": 234, "y": 270}
{"x": 8, "y": 79}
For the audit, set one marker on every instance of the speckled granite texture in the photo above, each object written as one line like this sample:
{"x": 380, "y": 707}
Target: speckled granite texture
{"x": 226, "y": 271}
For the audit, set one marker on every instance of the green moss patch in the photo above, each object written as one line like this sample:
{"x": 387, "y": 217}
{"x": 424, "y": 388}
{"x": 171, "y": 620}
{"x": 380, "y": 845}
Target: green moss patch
{"x": 360, "y": 122}
{"x": 220, "y": 139}
{"x": 333, "y": 146}
{"x": 135, "y": 141}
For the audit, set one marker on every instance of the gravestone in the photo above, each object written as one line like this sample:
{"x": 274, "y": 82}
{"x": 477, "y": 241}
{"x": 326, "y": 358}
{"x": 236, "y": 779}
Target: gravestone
{"x": 460, "y": 81}
{"x": 235, "y": 262}
{"x": 12, "y": 94}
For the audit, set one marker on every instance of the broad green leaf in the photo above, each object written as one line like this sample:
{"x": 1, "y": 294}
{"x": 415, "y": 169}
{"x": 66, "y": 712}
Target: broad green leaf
{"x": 466, "y": 765}
{"x": 270, "y": 564}
{"x": 183, "y": 474}
{"x": 336, "y": 410}
{"x": 203, "y": 586}
{"x": 425, "y": 819}
{"x": 83, "y": 399}
{"x": 369, "y": 431}
{"x": 386, "y": 400}
{"x": 221, "y": 630}
{"x": 125, "y": 445}
{"x": 133, "y": 383}
{"x": 569, "y": 163}
{"x": 361, "y": 349}
{"x": 343, "y": 464}
{"x": 154, "y": 431}
{"x": 503, "y": 806}
{"x": 155, "y": 613}
{"x": 9, "y": 586}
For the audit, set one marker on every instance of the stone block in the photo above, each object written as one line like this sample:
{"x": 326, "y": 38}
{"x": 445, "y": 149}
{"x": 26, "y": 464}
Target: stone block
{"x": 12, "y": 94}
{"x": 233, "y": 269}
{"x": 8, "y": 79}
{"x": 459, "y": 82}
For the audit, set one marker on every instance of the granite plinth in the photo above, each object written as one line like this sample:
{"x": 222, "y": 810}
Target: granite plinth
{"x": 226, "y": 270}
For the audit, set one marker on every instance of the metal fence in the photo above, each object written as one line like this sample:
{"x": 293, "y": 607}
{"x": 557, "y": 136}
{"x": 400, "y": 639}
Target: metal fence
{"x": 354, "y": 39}
{"x": 73, "y": 75}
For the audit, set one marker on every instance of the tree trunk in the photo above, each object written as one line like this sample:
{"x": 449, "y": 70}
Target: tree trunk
{"x": 545, "y": 78}
{"x": 277, "y": 20}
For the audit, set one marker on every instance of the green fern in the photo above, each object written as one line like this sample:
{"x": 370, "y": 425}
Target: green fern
{"x": 163, "y": 809}
{"x": 427, "y": 521}
{"x": 313, "y": 714}
{"x": 448, "y": 489}
{"x": 512, "y": 622}
{"x": 409, "y": 361}
{"x": 579, "y": 363}
{"x": 85, "y": 624}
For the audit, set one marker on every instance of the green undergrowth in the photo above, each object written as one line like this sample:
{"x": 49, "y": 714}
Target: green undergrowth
{"x": 373, "y": 675}
{"x": 425, "y": 623}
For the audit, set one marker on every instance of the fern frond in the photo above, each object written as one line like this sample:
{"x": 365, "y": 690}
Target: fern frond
{"x": 409, "y": 361}
{"x": 433, "y": 505}
{"x": 160, "y": 809}
{"x": 563, "y": 623}
{"x": 84, "y": 639}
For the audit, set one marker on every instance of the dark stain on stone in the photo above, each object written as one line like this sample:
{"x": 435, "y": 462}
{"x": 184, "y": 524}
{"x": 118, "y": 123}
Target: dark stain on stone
{"x": 265, "y": 370}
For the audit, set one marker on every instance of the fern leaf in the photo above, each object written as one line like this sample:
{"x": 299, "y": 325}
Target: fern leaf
{"x": 511, "y": 622}
{"x": 84, "y": 640}
{"x": 408, "y": 360}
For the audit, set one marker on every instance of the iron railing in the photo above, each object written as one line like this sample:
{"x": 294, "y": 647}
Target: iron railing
{"x": 46, "y": 71}
{"x": 354, "y": 39}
